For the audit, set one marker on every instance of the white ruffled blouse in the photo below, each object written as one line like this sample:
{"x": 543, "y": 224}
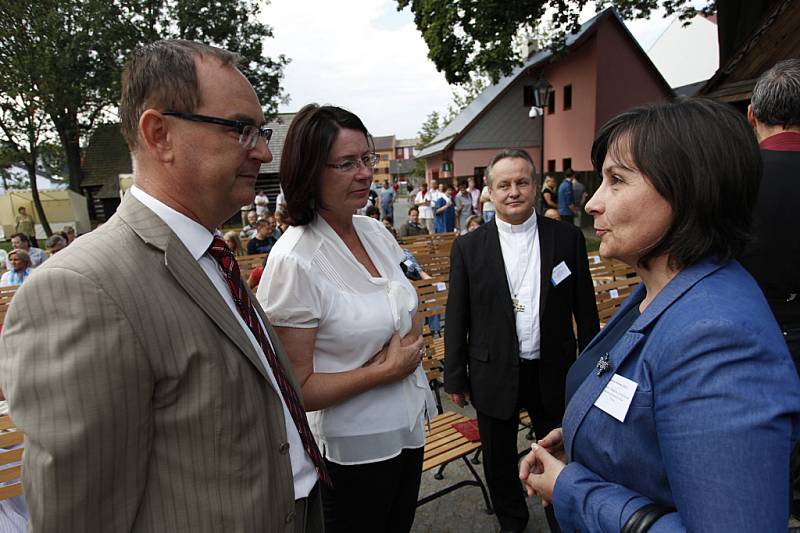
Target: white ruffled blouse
{"x": 312, "y": 280}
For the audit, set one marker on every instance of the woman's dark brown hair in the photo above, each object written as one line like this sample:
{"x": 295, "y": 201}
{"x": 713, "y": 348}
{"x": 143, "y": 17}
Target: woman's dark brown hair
{"x": 306, "y": 150}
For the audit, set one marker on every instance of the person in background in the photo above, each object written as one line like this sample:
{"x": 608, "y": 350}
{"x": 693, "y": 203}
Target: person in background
{"x": 70, "y": 232}
{"x": 261, "y": 202}
{"x": 388, "y": 223}
{"x": 463, "y": 205}
{"x": 263, "y": 241}
{"x": 475, "y": 194}
{"x": 689, "y": 390}
{"x": 276, "y": 232}
{"x": 20, "y": 241}
{"x": 444, "y": 213}
{"x": 520, "y": 289}
{"x": 280, "y": 203}
{"x": 579, "y": 193}
{"x": 566, "y": 198}
{"x": 549, "y": 196}
{"x": 23, "y": 223}
{"x": 388, "y": 196}
{"x": 254, "y": 279}
{"x": 233, "y": 243}
{"x": 347, "y": 315}
{"x": 474, "y": 222}
{"x": 552, "y": 213}
{"x": 423, "y": 200}
{"x": 55, "y": 243}
{"x": 487, "y": 205}
{"x": 19, "y": 268}
{"x": 249, "y": 230}
{"x": 373, "y": 212}
{"x": 772, "y": 258}
{"x": 280, "y": 221}
{"x": 413, "y": 227}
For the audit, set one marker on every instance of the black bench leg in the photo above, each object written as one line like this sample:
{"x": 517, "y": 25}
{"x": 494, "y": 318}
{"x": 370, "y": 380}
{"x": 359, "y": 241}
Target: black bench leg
{"x": 476, "y": 459}
{"x": 488, "y": 509}
{"x": 529, "y": 434}
{"x": 440, "y": 473}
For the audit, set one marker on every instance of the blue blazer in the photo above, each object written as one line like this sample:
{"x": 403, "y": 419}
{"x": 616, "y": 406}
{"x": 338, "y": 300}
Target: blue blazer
{"x": 711, "y": 425}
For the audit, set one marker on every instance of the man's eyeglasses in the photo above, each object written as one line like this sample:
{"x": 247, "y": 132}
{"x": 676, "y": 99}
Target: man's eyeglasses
{"x": 366, "y": 160}
{"x": 248, "y": 133}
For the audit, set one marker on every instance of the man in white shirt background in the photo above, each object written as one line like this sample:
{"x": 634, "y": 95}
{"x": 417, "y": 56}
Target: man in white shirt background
{"x": 516, "y": 283}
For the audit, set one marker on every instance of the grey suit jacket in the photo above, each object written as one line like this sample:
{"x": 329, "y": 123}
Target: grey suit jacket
{"x": 145, "y": 406}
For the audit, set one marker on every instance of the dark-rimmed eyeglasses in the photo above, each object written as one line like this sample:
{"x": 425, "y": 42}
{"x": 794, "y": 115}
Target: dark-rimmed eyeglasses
{"x": 248, "y": 133}
{"x": 366, "y": 160}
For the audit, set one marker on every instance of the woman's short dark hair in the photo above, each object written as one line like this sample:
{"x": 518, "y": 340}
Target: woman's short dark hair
{"x": 703, "y": 159}
{"x": 305, "y": 151}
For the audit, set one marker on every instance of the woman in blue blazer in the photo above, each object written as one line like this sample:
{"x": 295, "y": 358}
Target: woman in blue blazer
{"x": 683, "y": 411}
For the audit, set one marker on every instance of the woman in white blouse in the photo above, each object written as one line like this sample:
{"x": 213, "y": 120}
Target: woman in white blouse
{"x": 346, "y": 316}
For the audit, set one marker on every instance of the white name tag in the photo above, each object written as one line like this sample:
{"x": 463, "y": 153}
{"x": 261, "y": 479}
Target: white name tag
{"x": 560, "y": 273}
{"x": 596, "y": 259}
{"x": 441, "y": 286}
{"x": 613, "y": 293}
{"x": 616, "y": 398}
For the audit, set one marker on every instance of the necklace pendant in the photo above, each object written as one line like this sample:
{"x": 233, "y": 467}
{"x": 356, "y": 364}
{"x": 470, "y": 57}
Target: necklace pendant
{"x": 518, "y": 307}
{"x": 602, "y": 365}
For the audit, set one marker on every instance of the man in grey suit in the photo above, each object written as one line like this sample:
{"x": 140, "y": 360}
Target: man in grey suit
{"x": 152, "y": 391}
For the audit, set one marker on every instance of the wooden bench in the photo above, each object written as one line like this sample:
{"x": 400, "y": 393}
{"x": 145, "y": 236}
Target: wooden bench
{"x": 248, "y": 262}
{"x": 6, "y": 295}
{"x": 609, "y": 296}
{"x": 10, "y": 476}
{"x": 443, "y": 445}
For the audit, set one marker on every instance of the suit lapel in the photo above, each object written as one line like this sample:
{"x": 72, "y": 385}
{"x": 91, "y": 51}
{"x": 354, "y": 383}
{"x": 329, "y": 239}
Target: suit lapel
{"x": 494, "y": 257}
{"x": 547, "y": 246}
{"x": 187, "y": 273}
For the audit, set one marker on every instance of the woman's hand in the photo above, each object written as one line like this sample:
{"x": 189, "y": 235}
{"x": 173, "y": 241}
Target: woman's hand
{"x": 539, "y": 470}
{"x": 553, "y": 442}
{"x": 400, "y": 361}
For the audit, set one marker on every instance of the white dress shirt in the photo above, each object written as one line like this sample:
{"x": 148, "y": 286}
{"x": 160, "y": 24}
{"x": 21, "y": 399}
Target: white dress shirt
{"x": 522, "y": 258}
{"x": 313, "y": 280}
{"x": 197, "y": 240}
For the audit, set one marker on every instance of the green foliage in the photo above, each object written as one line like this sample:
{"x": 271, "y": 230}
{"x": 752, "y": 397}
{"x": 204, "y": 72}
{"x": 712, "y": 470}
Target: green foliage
{"x": 67, "y": 55}
{"x": 430, "y": 129}
{"x": 467, "y": 36}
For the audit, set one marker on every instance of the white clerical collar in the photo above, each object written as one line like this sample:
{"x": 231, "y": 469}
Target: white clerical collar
{"x": 528, "y": 225}
{"x": 194, "y": 236}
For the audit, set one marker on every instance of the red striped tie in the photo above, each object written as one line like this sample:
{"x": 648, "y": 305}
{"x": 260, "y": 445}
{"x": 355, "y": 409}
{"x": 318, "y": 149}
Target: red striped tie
{"x": 220, "y": 252}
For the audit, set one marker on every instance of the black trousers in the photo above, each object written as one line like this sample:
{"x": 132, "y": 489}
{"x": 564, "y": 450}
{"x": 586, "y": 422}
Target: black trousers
{"x": 499, "y": 442}
{"x": 373, "y": 497}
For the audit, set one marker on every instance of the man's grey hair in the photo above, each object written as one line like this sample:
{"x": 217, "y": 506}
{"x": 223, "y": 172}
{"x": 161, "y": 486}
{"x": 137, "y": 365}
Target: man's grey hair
{"x": 506, "y": 154}
{"x": 55, "y": 240}
{"x": 776, "y": 96}
{"x": 162, "y": 75}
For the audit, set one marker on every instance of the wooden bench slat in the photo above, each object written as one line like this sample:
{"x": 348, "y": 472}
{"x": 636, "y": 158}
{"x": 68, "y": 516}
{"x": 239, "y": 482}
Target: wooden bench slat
{"x": 11, "y": 491}
{"x": 10, "y": 474}
{"x": 11, "y": 456}
{"x": 11, "y": 438}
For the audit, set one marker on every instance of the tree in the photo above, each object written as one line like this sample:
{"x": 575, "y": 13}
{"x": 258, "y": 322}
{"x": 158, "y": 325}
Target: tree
{"x": 467, "y": 36}
{"x": 428, "y": 131}
{"x": 81, "y": 45}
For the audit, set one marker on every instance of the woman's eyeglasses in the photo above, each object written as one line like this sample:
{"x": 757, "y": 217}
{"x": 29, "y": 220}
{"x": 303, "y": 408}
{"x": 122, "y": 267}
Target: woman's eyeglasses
{"x": 366, "y": 160}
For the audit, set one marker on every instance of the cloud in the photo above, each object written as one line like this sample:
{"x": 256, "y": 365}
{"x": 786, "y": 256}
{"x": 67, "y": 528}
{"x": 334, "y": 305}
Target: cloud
{"x": 358, "y": 54}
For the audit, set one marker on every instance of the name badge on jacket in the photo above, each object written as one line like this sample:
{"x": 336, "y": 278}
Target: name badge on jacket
{"x": 560, "y": 273}
{"x": 616, "y": 398}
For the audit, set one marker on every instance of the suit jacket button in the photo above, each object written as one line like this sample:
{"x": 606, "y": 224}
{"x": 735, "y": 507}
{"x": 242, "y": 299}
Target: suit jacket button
{"x": 290, "y": 517}
{"x": 284, "y": 448}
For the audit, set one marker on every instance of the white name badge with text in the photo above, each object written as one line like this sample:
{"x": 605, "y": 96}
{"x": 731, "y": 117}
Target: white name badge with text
{"x": 616, "y": 398}
{"x": 560, "y": 273}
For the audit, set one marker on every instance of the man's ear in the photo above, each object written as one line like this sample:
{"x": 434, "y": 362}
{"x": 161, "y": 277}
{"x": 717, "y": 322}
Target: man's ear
{"x": 751, "y": 117}
{"x": 155, "y": 135}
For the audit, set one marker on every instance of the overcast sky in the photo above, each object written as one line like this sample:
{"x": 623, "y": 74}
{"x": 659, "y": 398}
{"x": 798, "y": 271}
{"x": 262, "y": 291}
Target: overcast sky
{"x": 367, "y": 57}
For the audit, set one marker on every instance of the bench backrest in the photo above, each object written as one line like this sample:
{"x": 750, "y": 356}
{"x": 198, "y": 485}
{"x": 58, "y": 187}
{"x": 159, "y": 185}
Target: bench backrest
{"x": 6, "y": 294}
{"x": 10, "y": 453}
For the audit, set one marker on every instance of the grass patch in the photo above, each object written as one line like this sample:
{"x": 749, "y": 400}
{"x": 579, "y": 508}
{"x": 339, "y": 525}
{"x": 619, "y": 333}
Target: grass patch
{"x": 592, "y": 244}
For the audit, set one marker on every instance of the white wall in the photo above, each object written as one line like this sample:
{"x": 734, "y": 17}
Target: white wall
{"x": 688, "y": 54}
